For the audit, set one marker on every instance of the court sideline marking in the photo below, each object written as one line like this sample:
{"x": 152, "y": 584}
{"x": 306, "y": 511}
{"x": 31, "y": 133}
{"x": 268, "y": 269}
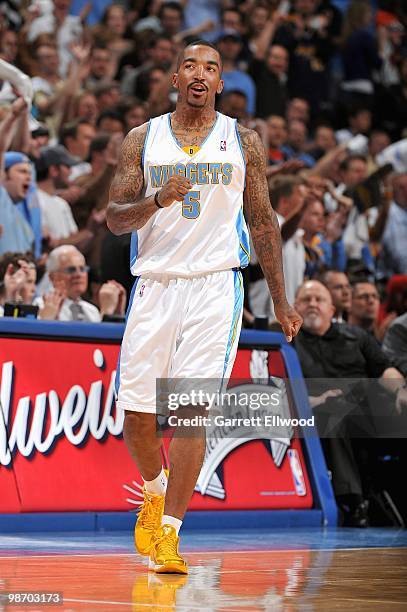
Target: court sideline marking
{"x": 205, "y": 552}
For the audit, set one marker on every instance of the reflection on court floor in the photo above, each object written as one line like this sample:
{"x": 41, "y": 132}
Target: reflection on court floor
{"x": 98, "y": 571}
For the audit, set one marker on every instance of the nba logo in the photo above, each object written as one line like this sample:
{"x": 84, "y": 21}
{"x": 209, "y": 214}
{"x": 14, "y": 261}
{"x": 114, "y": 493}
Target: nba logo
{"x": 223, "y": 145}
{"x": 296, "y": 471}
{"x": 142, "y": 290}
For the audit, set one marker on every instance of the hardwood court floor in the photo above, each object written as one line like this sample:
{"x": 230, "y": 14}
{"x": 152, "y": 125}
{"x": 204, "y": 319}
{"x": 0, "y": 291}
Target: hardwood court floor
{"x": 238, "y": 571}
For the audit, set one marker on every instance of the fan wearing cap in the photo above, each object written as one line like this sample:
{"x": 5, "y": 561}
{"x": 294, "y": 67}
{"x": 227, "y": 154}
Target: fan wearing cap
{"x": 19, "y": 223}
{"x": 17, "y": 233}
{"x": 20, "y": 185}
{"x": 229, "y": 44}
{"x": 53, "y": 167}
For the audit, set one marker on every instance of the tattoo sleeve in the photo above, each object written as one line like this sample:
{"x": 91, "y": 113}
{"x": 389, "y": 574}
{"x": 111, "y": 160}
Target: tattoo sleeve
{"x": 262, "y": 220}
{"x": 127, "y": 211}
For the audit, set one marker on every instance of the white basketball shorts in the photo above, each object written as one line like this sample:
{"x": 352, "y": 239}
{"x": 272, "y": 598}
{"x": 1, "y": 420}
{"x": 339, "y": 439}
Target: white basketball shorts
{"x": 178, "y": 328}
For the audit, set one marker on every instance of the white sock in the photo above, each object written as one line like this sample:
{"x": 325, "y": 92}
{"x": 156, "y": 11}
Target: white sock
{"x": 171, "y": 520}
{"x": 158, "y": 486}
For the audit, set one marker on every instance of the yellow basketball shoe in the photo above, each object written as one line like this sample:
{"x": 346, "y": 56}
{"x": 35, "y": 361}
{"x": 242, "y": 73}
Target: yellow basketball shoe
{"x": 148, "y": 520}
{"x": 164, "y": 556}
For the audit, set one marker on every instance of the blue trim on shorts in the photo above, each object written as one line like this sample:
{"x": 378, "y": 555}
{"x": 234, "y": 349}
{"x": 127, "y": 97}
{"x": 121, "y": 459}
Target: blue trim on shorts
{"x": 243, "y": 235}
{"x": 117, "y": 377}
{"x": 237, "y": 310}
{"x": 133, "y": 249}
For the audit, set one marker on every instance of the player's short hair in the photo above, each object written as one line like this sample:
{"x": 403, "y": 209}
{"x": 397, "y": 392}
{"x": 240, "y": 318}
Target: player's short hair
{"x": 200, "y": 43}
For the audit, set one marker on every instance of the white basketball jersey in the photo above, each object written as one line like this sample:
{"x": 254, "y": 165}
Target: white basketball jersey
{"x": 207, "y": 231}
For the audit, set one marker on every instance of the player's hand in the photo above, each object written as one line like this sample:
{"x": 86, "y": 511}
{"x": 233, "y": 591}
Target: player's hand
{"x": 289, "y": 320}
{"x": 174, "y": 190}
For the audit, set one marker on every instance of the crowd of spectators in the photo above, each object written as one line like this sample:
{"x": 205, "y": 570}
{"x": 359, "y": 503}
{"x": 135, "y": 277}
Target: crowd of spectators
{"x": 324, "y": 82}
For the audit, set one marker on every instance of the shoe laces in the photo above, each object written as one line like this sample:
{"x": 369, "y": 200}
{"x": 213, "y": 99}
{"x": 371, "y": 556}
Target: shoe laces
{"x": 148, "y": 512}
{"x": 167, "y": 545}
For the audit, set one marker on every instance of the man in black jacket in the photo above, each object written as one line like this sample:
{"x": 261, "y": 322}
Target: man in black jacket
{"x": 338, "y": 362}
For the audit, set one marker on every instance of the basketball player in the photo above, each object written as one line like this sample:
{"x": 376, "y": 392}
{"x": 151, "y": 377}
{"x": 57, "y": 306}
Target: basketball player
{"x": 180, "y": 186}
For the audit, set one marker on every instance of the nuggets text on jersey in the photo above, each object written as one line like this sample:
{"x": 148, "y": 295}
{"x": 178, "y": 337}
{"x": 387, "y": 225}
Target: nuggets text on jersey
{"x": 198, "y": 173}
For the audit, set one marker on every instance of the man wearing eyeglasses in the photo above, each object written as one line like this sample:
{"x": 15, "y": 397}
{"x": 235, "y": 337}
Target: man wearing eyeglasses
{"x": 68, "y": 272}
{"x": 365, "y": 309}
{"x": 339, "y": 287}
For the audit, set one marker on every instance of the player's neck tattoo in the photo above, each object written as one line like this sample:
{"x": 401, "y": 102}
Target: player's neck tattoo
{"x": 187, "y": 118}
{"x": 192, "y": 131}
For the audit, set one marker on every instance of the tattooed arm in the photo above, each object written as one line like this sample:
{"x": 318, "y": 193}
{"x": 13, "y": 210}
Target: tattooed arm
{"x": 127, "y": 211}
{"x": 265, "y": 231}
{"x": 264, "y": 228}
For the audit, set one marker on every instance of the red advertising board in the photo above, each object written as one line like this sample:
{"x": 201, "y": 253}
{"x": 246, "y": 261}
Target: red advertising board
{"x": 61, "y": 446}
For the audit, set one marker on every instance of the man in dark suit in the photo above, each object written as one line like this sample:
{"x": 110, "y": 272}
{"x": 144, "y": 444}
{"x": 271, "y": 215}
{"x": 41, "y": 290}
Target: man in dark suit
{"x": 339, "y": 362}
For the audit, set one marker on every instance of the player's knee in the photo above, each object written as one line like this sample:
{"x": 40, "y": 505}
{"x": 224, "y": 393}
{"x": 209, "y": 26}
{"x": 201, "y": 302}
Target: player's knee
{"x": 139, "y": 426}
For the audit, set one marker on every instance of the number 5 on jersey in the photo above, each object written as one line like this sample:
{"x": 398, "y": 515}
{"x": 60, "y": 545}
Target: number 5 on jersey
{"x": 191, "y": 207}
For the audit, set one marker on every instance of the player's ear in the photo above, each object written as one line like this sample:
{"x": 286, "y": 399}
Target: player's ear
{"x": 175, "y": 80}
{"x": 219, "y": 88}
